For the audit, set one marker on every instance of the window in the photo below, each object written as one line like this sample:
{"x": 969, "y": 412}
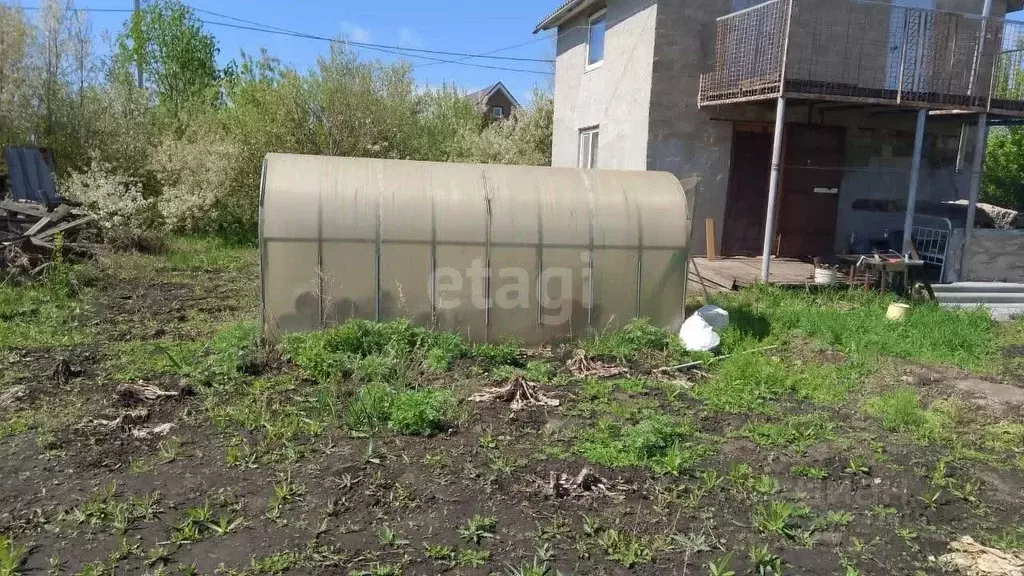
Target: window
{"x": 497, "y": 112}
{"x": 588, "y": 147}
{"x": 595, "y": 40}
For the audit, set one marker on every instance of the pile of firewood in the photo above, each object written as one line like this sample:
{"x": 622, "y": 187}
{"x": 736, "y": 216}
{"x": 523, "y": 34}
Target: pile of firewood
{"x": 28, "y": 232}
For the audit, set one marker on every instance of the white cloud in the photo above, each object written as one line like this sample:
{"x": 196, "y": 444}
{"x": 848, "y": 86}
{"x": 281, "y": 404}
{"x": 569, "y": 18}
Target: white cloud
{"x": 355, "y": 33}
{"x": 408, "y": 38}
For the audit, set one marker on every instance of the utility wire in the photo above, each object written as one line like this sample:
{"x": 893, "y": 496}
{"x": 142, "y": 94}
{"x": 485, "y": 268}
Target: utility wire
{"x": 486, "y": 55}
{"x": 395, "y": 50}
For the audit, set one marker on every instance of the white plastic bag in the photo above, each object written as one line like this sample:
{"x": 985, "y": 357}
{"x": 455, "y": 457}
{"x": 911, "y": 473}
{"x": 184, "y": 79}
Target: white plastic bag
{"x": 698, "y": 336}
{"x": 717, "y": 317}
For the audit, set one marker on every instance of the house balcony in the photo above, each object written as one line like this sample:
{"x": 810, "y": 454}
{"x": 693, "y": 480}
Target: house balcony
{"x": 866, "y": 52}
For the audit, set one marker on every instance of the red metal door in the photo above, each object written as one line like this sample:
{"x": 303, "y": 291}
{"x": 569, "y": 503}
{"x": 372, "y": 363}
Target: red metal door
{"x": 747, "y": 199}
{"x": 813, "y": 161}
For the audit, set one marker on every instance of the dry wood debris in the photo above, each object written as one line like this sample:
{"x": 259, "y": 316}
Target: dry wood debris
{"x": 968, "y": 557}
{"x": 583, "y": 367}
{"x": 519, "y": 392}
{"x": 141, "y": 392}
{"x": 12, "y": 396}
{"x": 586, "y": 483}
{"x": 28, "y": 229}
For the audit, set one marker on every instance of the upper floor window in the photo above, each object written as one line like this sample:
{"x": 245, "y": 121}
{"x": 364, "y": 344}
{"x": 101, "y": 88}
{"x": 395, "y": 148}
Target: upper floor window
{"x": 497, "y": 112}
{"x": 595, "y": 40}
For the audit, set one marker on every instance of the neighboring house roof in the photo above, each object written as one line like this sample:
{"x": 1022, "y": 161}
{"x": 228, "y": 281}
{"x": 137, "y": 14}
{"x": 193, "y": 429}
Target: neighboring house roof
{"x": 567, "y": 10}
{"x": 481, "y": 96}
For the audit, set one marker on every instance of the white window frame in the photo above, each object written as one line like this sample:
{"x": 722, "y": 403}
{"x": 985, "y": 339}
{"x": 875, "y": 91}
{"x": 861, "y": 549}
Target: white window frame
{"x": 604, "y": 41}
{"x": 497, "y": 112}
{"x": 586, "y": 144}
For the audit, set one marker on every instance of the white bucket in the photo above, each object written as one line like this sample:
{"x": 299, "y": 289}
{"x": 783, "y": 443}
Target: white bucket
{"x": 897, "y": 311}
{"x": 824, "y": 276}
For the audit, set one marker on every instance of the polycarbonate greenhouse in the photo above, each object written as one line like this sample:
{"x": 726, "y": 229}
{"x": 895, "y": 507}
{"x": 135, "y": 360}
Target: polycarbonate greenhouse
{"x": 489, "y": 251}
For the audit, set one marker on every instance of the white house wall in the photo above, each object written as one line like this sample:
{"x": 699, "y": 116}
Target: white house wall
{"x": 615, "y": 96}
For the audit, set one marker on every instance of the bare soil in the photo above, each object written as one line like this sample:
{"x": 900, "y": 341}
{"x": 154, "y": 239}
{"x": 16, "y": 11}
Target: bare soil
{"x": 347, "y": 488}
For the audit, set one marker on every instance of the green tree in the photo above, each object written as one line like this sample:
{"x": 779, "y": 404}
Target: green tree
{"x": 1003, "y": 184}
{"x": 178, "y": 58}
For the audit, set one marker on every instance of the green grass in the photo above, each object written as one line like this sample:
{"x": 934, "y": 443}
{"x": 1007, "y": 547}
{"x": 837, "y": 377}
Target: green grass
{"x": 39, "y": 316}
{"x": 501, "y": 354}
{"x": 796, "y": 433}
{"x": 854, "y": 322}
{"x": 753, "y": 382}
{"x": 12, "y": 555}
{"x": 901, "y": 411}
{"x": 657, "y": 441}
{"x": 635, "y": 341}
{"x": 413, "y": 412}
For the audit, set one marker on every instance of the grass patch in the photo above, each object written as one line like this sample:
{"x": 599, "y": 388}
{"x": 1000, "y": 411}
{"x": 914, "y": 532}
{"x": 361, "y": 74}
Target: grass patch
{"x": 796, "y": 433}
{"x": 39, "y": 316}
{"x": 373, "y": 352}
{"x": 638, "y": 340}
{"x": 502, "y": 354}
{"x": 901, "y": 411}
{"x": 854, "y": 322}
{"x": 416, "y": 412}
{"x": 657, "y": 442}
{"x": 757, "y": 383}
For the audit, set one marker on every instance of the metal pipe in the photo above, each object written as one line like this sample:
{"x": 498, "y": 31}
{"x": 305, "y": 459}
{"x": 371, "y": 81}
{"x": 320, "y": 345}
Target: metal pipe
{"x": 980, "y": 144}
{"x": 986, "y": 12}
{"x": 915, "y": 176}
{"x": 773, "y": 189}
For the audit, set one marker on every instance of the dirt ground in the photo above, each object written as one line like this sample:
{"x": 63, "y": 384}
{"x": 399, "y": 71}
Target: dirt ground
{"x": 264, "y": 477}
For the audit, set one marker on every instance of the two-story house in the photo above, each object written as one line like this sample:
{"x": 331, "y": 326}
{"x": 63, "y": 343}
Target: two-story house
{"x": 816, "y": 126}
{"x": 495, "y": 102}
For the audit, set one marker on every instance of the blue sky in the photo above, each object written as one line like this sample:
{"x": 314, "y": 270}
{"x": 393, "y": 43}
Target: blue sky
{"x": 468, "y": 26}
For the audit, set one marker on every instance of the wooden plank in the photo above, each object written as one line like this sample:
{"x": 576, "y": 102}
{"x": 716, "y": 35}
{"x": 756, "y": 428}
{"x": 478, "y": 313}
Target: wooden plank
{"x": 53, "y": 217}
{"x": 709, "y": 236}
{"x": 65, "y": 226}
{"x": 24, "y": 208}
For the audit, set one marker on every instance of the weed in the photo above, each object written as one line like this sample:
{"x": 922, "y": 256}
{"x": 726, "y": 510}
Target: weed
{"x": 538, "y": 567}
{"x": 633, "y": 342}
{"x": 224, "y": 525}
{"x": 478, "y": 528}
{"x": 418, "y": 412}
{"x": 796, "y": 433}
{"x": 808, "y": 472}
{"x": 882, "y": 511}
{"x": 907, "y": 534}
{"x": 834, "y": 519}
{"x": 472, "y": 558}
{"x": 658, "y": 442}
{"x": 444, "y": 349}
{"x": 440, "y": 553}
{"x": 1009, "y": 540}
{"x": 765, "y": 562}
{"x": 720, "y": 566}
{"x": 553, "y": 530}
{"x": 857, "y": 465}
{"x": 625, "y": 548}
{"x": 488, "y": 441}
{"x": 12, "y": 556}
{"x": 778, "y": 517}
{"x": 503, "y": 354}
{"x": 285, "y": 491}
{"x": 387, "y": 536}
{"x": 901, "y": 411}
{"x": 592, "y": 526}
{"x": 931, "y": 499}
{"x": 422, "y": 412}
{"x": 709, "y": 479}
{"x": 765, "y": 485}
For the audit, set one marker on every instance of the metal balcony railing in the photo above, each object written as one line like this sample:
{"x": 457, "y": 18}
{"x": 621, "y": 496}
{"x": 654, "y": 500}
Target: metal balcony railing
{"x": 866, "y": 51}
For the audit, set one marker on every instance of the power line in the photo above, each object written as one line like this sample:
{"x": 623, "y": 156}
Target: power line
{"x": 486, "y": 55}
{"x": 378, "y": 48}
{"x": 395, "y": 50}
